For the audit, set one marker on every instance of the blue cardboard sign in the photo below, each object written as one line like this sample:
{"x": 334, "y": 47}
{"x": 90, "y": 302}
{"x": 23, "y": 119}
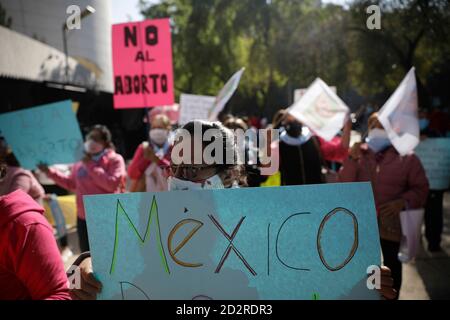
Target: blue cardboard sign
{"x": 49, "y": 134}
{"x": 254, "y": 243}
{"x": 434, "y": 153}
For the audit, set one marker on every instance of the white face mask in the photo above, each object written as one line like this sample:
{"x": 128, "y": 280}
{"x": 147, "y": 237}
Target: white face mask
{"x": 159, "y": 136}
{"x": 91, "y": 147}
{"x": 209, "y": 184}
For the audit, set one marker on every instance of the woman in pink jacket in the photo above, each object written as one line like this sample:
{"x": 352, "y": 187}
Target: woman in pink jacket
{"x": 101, "y": 171}
{"x": 399, "y": 183}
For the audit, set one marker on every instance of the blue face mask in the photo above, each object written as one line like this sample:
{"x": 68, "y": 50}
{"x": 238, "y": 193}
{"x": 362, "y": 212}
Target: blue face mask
{"x": 378, "y": 140}
{"x": 423, "y": 124}
{"x": 98, "y": 156}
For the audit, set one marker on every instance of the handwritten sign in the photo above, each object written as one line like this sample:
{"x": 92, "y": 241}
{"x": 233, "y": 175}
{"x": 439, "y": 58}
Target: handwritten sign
{"x": 435, "y": 156}
{"x": 321, "y": 110}
{"x": 299, "y": 93}
{"x": 48, "y": 134}
{"x": 225, "y": 95}
{"x": 228, "y": 244}
{"x": 195, "y": 107}
{"x": 142, "y": 61}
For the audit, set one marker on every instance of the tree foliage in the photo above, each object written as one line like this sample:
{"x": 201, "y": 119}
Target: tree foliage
{"x": 286, "y": 44}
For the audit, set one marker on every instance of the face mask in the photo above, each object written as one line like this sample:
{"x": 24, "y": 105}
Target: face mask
{"x": 423, "y": 124}
{"x": 378, "y": 140}
{"x": 209, "y": 184}
{"x": 294, "y": 129}
{"x": 97, "y": 157}
{"x": 93, "y": 148}
{"x": 159, "y": 136}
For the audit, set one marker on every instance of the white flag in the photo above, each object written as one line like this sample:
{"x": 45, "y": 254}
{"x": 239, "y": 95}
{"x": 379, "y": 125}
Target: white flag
{"x": 321, "y": 110}
{"x": 225, "y": 95}
{"x": 399, "y": 116}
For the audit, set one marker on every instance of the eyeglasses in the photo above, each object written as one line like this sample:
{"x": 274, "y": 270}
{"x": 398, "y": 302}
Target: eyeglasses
{"x": 193, "y": 172}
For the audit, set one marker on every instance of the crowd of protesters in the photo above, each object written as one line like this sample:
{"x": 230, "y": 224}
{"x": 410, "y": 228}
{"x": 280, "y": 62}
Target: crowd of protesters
{"x": 399, "y": 183}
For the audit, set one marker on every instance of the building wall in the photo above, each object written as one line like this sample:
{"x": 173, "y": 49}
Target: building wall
{"x": 44, "y": 19}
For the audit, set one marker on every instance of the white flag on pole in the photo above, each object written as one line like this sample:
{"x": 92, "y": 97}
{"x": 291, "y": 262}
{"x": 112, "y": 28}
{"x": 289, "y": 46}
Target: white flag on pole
{"x": 225, "y": 95}
{"x": 321, "y": 110}
{"x": 399, "y": 116}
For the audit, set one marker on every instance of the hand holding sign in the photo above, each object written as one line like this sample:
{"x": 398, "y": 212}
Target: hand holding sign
{"x": 321, "y": 110}
{"x": 43, "y": 167}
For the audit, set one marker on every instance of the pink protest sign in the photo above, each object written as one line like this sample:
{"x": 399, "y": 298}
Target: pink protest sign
{"x": 142, "y": 60}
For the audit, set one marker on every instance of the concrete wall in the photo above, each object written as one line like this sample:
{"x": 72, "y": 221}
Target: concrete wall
{"x": 43, "y": 20}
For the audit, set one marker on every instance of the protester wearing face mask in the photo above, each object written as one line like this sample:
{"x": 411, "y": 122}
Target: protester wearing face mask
{"x": 198, "y": 177}
{"x": 424, "y": 122}
{"x": 300, "y": 157}
{"x": 303, "y": 143}
{"x": 147, "y": 169}
{"x": 193, "y": 176}
{"x": 399, "y": 183}
{"x": 101, "y": 171}
{"x": 184, "y": 176}
{"x": 31, "y": 267}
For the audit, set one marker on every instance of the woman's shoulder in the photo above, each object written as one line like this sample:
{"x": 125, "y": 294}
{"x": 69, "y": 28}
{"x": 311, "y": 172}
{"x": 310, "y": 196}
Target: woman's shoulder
{"x": 406, "y": 161}
{"x": 141, "y": 147}
{"x": 19, "y": 173}
{"x": 13, "y": 171}
{"x": 113, "y": 155}
{"x": 412, "y": 158}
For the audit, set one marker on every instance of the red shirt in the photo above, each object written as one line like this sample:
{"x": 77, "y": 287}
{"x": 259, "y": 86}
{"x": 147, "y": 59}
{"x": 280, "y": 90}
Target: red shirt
{"x": 139, "y": 163}
{"x": 332, "y": 150}
{"x": 31, "y": 267}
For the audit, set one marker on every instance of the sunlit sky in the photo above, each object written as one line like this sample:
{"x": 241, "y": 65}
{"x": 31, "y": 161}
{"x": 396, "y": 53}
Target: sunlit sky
{"x": 334, "y": 1}
{"x": 339, "y": 2}
{"x": 127, "y": 10}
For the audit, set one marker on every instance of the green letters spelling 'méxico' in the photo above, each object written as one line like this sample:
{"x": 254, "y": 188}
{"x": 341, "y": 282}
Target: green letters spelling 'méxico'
{"x": 153, "y": 213}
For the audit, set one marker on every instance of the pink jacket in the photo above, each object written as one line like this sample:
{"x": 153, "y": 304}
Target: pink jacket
{"x": 102, "y": 177}
{"x": 393, "y": 177}
{"x": 21, "y": 179}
